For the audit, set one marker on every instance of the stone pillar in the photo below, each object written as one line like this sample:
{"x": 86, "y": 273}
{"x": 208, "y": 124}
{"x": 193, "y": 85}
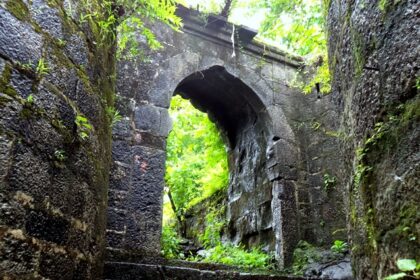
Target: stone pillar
{"x": 138, "y": 167}
{"x": 281, "y": 163}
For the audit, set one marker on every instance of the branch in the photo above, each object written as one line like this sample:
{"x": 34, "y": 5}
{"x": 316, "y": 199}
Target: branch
{"x": 226, "y": 9}
{"x": 171, "y": 199}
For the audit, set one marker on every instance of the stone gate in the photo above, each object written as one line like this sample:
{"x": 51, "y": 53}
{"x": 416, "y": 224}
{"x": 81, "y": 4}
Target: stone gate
{"x": 60, "y": 208}
{"x": 280, "y": 142}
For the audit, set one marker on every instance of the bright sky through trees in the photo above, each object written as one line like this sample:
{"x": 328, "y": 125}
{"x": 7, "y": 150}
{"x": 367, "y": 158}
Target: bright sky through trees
{"x": 293, "y": 25}
{"x": 242, "y": 13}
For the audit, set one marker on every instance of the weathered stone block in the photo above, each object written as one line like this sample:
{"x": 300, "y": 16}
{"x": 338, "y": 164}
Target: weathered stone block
{"x": 47, "y": 227}
{"x": 77, "y": 50}
{"x": 17, "y": 258}
{"x": 18, "y": 40}
{"x": 120, "y": 176}
{"x": 117, "y": 219}
{"x": 265, "y": 216}
{"x": 47, "y": 18}
{"x": 6, "y": 145}
{"x": 115, "y": 239}
{"x": 55, "y": 266}
{"x": 121, "y": 152}
{"x": 117, "y": 198}
{"x": 152, "y": 119}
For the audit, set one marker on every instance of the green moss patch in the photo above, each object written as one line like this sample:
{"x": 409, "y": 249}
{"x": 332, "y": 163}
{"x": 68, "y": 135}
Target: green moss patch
{"x": 5, "y": 87}
{"x": 18, "y": 9}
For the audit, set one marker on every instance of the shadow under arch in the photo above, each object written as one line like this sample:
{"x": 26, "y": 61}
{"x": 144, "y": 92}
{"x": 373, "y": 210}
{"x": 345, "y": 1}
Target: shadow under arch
{"x": 246, "y": 125}
{"x": 228, "y": 101}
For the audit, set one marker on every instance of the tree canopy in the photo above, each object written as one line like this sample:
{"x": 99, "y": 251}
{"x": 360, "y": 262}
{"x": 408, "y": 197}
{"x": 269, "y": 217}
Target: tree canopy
{"x": 196, "y": 165}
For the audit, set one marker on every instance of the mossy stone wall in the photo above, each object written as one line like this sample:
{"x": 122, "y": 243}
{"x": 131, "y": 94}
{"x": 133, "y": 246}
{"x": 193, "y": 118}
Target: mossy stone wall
{"x": 55, "y": 83}
{"x": 374, "y": 58}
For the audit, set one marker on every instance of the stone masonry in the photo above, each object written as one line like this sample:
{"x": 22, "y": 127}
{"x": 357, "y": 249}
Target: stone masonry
{"x": 280, "y": 142}
{"x": 53, "y": 182}
{"x": 73, "y": 193}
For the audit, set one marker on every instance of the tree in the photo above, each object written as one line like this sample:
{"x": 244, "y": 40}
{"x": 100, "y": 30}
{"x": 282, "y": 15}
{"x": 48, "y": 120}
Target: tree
{"x": 128, "y": 18}
{"x": 299, "y": 26}
{"x": 227, "y": 8}
{"x": 132, "y": 19}
{"x": 196, "y": 165}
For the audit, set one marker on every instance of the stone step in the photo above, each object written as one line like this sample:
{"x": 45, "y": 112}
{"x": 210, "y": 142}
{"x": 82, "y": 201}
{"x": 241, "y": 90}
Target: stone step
{"x": 137, "y": 271}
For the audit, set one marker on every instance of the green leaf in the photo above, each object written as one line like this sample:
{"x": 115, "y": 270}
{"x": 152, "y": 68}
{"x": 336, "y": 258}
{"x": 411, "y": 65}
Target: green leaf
{"x": 396, "y": 276}
{"x": 81, "y": 118}
{"x": 406, "y": 264}
{"x": 196, "y": 165}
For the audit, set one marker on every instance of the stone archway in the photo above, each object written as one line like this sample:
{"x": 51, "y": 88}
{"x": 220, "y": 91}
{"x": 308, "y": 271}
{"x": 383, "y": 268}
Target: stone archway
{"x": 255, "y": 209}
{"x": 246, "y": 126}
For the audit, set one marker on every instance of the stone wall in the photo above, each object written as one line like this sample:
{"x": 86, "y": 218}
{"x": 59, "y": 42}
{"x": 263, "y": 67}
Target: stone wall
{"x": 196, "y": 220}
{"x": 54, "y": 69}
{"x": 281, "y": 143}
{"x": 374, "y": 56}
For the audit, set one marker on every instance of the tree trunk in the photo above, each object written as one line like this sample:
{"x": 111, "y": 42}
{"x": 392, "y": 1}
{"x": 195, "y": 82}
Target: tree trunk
{"x": 179, "y": 217}
{"x": 226, "y": 9}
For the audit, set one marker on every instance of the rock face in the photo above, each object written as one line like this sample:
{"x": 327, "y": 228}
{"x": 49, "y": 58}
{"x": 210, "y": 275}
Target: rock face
{"x": 196, "y": 217}
{"x": 374, "y": 55}
{"x": 53, "y": 180}
{"x": 281, "y": 144}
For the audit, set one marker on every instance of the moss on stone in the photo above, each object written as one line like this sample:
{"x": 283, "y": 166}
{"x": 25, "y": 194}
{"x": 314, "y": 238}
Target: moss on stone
{"x": 357, "y": 51}
{"x": 385, "y": 140}
{"x": 406, "y": 229}
{"x": 303, "y": 255}
{"x": 326, "y": 4}
{"x": 5, "y": 87}
{"x": 387, "y": 5}
{"x": 18, "y": 9}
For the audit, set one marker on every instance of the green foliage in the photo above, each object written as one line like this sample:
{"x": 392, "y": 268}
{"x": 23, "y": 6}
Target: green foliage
{"x": 60, "y": 155}
{"x": 133, "y": 22}
{"x": 304, "y": 254}
{"x": 230, "y": 254}
{"x": 299, "y": 27}
{"x": 215, "y": 221}
{"x": 42, "y": 68}
{"x": 18, "y": 9}
{"x": 339, "y": 246}
{"x": 30, "y": 100}
{"x": 196, "y": 168}
{"x": 61, "y": 43}
{"x": 113, "y": 115}
{"x": 406, "y": 264}
{"x": 303, "y": 32}
{"x": 196, "y": 165}
{"x": 170, "y": 242}
{"x": 330, "y": 181}
{"x": 382, "y": 4}
{"x": 83, "y": 127}
{"x": 396, "y": 276}
{"x": 386, "y": 5}
{"x": 357, "y": 51}
{"x": 25, "y": 66}
{"x": 126, "y": 18}
{"x": 361, "y": 169}
{"x": 408, "y": 268}
{"x": 321, "y": 77}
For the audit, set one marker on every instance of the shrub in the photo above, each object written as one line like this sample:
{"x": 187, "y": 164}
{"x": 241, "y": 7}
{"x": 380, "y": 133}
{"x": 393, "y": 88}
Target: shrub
{"x": 230, "y": 254}
{"x": 170, "y": 242}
